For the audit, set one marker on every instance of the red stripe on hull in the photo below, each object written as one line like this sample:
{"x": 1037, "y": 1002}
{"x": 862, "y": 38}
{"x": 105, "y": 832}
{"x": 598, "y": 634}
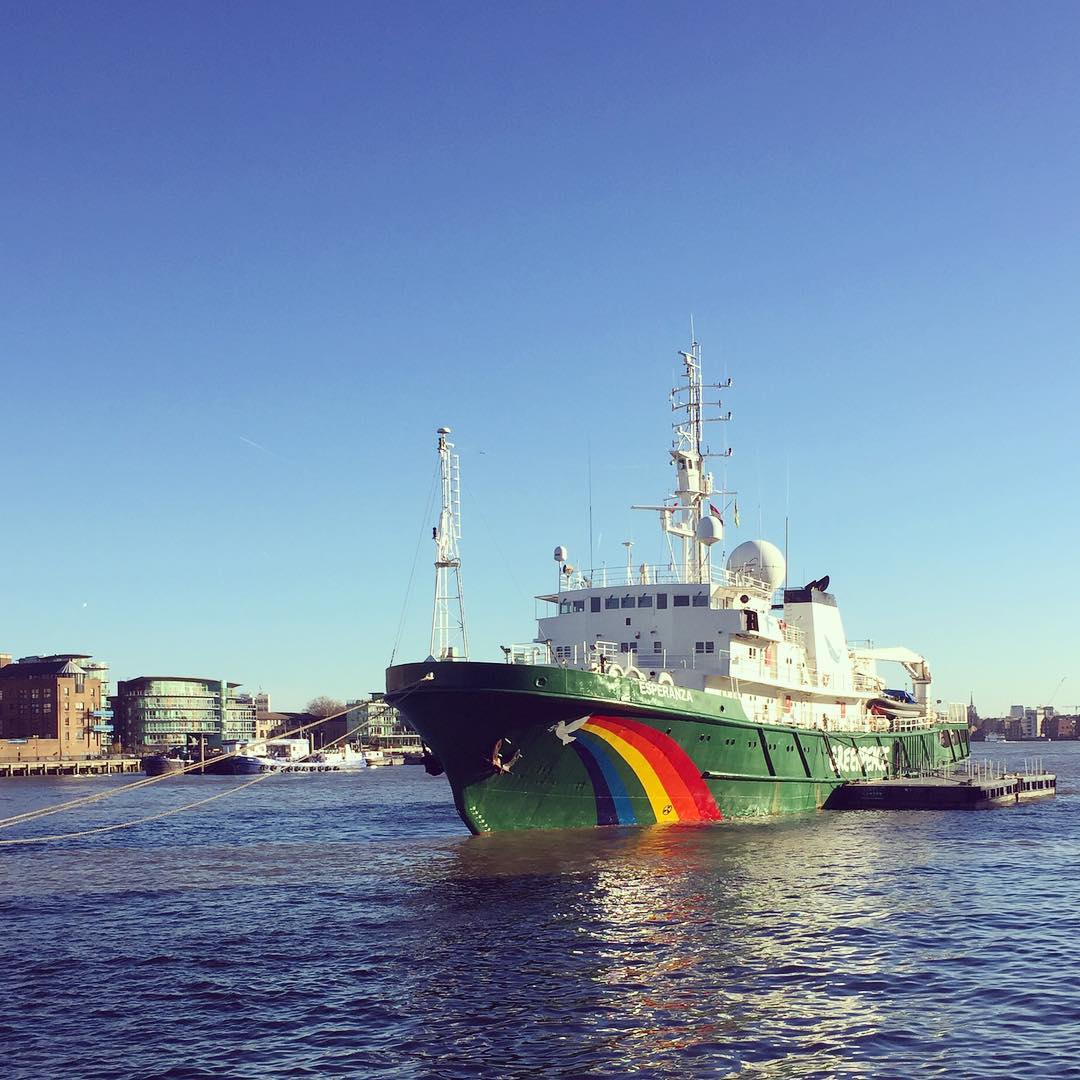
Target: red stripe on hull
{"x": 679, "y": 775}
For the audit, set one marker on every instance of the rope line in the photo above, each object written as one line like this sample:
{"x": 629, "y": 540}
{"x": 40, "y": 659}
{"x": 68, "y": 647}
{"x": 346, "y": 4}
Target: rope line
{"x": 136, "y": 821}
{"x": 187, "y": 806}
{"x": 71, "y": 804}
{"x": 412, "y": 572}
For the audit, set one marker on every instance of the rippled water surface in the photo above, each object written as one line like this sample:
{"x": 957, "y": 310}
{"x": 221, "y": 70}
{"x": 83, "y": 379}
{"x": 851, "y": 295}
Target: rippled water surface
{"x": 346, "y": 925}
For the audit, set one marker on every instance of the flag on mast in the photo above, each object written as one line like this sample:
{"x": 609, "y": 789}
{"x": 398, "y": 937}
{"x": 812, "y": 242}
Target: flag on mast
{"x": 736, "y": 513}
{"x": 716, "y": 513}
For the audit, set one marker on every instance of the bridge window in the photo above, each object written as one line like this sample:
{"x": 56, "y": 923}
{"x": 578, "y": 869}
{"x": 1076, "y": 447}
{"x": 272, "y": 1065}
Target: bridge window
{"x": 628, "y": 647}
{"x": 627, "y": 601}
{"x": 594, "y": 603}
{"x": 682, "y": 599}
{"x": 657, "y": 646}
{"x": 661, "y": 600}
{"x": 704, "y": 646}
{"x": 611, "y": 602}
{"x": 564, "y": 607}
{"x": 701, "y": 599}
{"x": 579, "y": 605}
{"x": 645, "y": 600}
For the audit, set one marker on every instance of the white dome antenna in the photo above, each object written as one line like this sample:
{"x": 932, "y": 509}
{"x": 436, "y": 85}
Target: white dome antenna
{"x": 760, "y": 560}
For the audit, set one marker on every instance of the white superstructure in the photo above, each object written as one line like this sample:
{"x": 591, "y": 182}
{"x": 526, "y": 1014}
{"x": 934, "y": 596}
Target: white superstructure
{"x": 730, "y": 629}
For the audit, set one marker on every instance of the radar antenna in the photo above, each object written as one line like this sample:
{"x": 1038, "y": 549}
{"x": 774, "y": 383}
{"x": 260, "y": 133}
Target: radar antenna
{"x": 448, "y": 634}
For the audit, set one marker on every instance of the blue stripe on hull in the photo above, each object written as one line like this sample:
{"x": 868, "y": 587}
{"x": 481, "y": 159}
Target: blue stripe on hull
{"x": 601, "y": 754}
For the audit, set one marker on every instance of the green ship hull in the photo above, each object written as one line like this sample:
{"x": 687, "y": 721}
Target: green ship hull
{"x": 538, "y": 747}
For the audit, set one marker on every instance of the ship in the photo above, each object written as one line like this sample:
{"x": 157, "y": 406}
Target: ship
{"x": 700, "y": 690}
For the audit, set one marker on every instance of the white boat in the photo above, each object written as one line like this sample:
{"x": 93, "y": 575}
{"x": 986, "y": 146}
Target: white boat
{"x": 376, "y": 758}
{"x": 296, "y": 755}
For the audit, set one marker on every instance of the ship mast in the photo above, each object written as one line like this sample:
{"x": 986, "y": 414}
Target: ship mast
{"x": 449, "y": 639}
{"x": 697, "y": 530}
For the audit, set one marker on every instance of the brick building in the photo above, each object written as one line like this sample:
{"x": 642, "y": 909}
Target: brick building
{"x": 51, "y": 707}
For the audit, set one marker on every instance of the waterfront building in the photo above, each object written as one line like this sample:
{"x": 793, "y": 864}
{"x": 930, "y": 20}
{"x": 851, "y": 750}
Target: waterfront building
{"x": 379, "y": 724}
{"x": 270, "y": 725}
{"x": 1061, "y": 727}
{"x": 53, "y": 707}
{"x": 171, "y": 710}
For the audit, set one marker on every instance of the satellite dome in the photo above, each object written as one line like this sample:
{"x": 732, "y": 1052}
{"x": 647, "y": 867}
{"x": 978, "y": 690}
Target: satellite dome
{"x": 759, "y": 559}
{"x": 709, "y": 530}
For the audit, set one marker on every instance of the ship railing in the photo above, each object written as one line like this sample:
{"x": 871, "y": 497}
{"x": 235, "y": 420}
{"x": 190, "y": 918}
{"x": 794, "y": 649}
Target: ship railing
{"x": 913, "y": 723}
{"x": 867, "y": 682}
{"x": 588, "y": 654}
{"x": 659, "y": 574}
{"x": 985, "y": 770}
{"x": 533, "y": 654}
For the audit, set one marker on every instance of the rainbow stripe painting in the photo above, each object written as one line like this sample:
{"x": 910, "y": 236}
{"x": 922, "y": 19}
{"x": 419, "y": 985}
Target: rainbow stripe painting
{"x": 641, "y": 776}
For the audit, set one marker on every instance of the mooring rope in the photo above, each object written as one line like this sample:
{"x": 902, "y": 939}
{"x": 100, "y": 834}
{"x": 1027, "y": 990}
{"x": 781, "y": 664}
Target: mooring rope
{"x": 186, "y": 806}
{"x": 71, "y": 804}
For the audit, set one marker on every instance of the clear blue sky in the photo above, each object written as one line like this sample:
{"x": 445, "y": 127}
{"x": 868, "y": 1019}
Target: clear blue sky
{"x": 252, "y": 255}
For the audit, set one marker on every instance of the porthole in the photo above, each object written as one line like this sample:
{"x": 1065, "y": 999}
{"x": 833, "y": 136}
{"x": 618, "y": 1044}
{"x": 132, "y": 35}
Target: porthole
{"x": 541, "y": 681}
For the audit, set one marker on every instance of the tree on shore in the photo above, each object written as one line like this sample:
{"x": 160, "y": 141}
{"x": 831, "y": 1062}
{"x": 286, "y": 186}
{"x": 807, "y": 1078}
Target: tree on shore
{"x": 324, "y": 706}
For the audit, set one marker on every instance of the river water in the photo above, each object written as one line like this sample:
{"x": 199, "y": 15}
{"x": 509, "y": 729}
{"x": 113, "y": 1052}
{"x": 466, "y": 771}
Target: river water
{"x": 347, "y": 926}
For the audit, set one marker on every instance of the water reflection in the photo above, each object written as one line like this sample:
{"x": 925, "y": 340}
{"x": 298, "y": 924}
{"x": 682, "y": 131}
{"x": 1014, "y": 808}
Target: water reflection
{"x": 646, "y": 942}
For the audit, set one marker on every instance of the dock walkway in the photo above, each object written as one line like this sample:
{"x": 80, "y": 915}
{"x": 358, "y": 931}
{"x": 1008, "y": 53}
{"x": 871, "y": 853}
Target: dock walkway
{"x": 71, "y": 767}
{"x": 942, "y": 792}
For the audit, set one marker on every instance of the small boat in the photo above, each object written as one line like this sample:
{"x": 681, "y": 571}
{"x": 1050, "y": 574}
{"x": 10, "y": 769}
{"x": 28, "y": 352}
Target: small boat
{"x": 895, "y": 704}
{"x": 378, "y": 758}
{"x": 249, "y": 757}
{"x": 173, "y": 760}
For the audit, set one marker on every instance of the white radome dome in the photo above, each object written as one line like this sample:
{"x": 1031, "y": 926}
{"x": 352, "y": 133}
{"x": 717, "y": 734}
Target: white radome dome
{"x": 709, "y": 530}
{"x": 761, "y": 560}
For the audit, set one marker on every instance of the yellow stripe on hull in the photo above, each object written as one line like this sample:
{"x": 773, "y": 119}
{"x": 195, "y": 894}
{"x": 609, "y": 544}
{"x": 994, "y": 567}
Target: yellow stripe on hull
{"x": 662, "y": 806}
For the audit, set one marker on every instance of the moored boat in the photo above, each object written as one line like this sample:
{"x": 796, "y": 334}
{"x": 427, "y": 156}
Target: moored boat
{"x": 173, "y": 760}
{"x": 293, "y": 755}
{"x": 686, "y": 692}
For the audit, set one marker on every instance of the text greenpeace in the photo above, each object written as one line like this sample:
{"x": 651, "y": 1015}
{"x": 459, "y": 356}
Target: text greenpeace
{"x": 664, "y": 690}
{"x": 850, "y": 759}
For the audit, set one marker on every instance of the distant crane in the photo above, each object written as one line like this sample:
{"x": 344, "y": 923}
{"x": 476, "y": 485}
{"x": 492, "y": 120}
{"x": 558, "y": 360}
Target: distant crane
{"x": 1050, "y": 700}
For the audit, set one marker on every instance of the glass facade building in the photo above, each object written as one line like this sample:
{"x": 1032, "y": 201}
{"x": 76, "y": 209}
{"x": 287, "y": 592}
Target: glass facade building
{"x": 170, "y": 710}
